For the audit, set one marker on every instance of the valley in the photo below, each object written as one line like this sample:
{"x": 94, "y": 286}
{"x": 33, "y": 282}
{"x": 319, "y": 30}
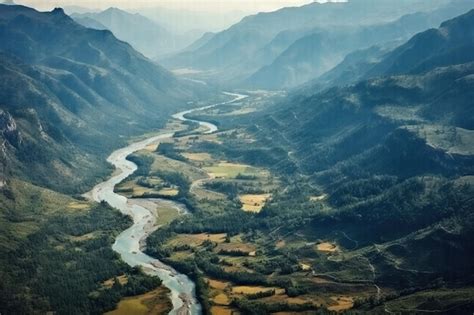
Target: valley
{"x": 234, "y": 267}
{"x": 315, "y": 159}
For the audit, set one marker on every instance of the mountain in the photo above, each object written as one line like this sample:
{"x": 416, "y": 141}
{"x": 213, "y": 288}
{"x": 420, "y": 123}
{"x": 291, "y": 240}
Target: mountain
{"x": 394, "y": 157}
{"x": 182, "y": 21}
{"x": 231, "y": 53}
{"x": 451, "y": 43}
{"x": 201, "y": 41}
{"x": 145, "y": 35}
{"x": 80, "y": 96}
{"x": 352, "y": 69}
{"x": 410, "y": 57}
{"x": 90, "y": 23}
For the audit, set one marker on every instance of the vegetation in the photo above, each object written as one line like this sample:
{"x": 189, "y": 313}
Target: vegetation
{"x": 52, "y": 264}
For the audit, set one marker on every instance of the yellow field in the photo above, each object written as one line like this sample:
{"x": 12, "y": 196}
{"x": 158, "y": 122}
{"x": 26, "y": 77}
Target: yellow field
{"x": 78, "y": 205}
{"x": 305, "y": 267}
{"x": 221, "y": 299}
{"x": 154, "y": 302}
{"x": 229, "y": 170}
{"x": 342, "y": 303}
{"x": 217, "y": 284}
{"x": 253, "y": 203}
{"x": 327, "y": 247}
{"x": 123, "y": 279}
{"x": 221, "y": 310}
{"x": 243, "y": 289}
{"x": 168, "y": 192}
{"x": 139, "y": 191}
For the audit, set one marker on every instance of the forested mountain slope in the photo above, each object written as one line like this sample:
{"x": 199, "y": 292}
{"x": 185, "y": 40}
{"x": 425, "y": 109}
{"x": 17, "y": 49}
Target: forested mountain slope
{"x": 390, "y": 162}
{"x": 72, "y": 93}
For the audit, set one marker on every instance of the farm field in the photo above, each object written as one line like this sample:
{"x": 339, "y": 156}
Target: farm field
{"x": 153, "y": 302}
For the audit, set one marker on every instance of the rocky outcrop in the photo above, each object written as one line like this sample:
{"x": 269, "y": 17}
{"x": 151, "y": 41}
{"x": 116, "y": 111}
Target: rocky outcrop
{"x": 8, "y": 130}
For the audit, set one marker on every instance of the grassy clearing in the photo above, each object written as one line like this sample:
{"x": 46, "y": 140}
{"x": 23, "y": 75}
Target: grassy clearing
{"x": 123, "y": 280}
{"x": 246, "y": 248}
{"x": 327, "y": 247}
{"x": 199, "y": 157}
{"x": 253, "y": 203}
{"x": 217, "y": 284}
{"x": 162, "y": 163}
{"x": 450, "y": 139}
{"x": 221, "y": 299}
{"x": 244, "y": 289}
{"x": 166, "y": 214}
{"x": 433, "y": 301}
{"x": 169, "y": 192}
{"x": 28, "y": 206}
{"x": 231, "y": 170}
{"x": 195, "y": 240}
{"x": 221, "y": 310}
{"x": 154, "y": 302}
{"x": 78, "y": 205}
{"x": 342, "y": 303}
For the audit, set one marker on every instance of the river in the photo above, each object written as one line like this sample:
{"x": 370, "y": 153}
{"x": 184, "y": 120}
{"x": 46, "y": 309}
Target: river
{"x": 129, "y": 243}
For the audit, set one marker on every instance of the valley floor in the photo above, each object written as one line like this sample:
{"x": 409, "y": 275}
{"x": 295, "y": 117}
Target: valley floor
{"x": 241, "y": 263}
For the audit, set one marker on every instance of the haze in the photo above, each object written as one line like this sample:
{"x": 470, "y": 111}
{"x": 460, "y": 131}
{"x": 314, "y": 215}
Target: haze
{"x": 248, "y": 6}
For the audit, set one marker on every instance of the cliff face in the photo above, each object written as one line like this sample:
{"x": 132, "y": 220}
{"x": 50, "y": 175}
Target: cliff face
{"x": 8, "y": 130}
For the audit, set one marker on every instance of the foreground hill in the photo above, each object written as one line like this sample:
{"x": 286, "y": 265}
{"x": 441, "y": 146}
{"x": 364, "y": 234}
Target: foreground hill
{"x": 69, "y": 94}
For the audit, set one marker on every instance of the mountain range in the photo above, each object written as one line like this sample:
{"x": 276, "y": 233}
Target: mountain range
{"x": 262, "y": 51}
{"x": 145, "y": 35}
{"x": 392, "y": 151}
{"x": 82, "y": 90}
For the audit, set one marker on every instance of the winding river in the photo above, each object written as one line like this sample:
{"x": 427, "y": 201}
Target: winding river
{"x": 130, "y": 243}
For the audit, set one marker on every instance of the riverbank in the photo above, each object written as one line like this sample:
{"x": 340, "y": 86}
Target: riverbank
{"x": 130, "y": 243}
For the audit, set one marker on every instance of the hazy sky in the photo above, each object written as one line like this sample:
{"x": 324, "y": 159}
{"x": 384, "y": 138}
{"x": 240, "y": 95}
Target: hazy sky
{"x": 250, "y": 6}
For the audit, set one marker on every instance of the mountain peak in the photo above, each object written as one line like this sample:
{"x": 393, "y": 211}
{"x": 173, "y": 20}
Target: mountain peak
{"x": 58, "y": 11}
{"x": 113, "y": 10}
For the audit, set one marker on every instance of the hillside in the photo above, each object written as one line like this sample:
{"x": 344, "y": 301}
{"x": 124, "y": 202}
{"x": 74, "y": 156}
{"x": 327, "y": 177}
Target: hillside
{"x": 451, "y": 43}
{"x": 263, "y": 51}
{"x": 375, "y": 201}
{"x": 78, "y": 92}
{"x": 145, "y": 35}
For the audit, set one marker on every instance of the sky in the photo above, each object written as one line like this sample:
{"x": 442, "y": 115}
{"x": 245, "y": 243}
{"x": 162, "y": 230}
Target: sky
{"x": 212, "y": 6}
